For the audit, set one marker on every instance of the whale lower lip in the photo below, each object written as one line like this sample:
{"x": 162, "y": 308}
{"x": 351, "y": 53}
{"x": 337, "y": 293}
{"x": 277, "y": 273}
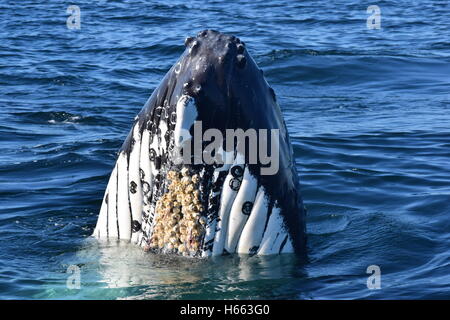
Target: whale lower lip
{"x": 193, "y": 208}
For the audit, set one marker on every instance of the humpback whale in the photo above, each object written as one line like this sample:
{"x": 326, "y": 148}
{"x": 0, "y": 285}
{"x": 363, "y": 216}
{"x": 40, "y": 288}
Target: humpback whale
{"x": 168, "y": 199}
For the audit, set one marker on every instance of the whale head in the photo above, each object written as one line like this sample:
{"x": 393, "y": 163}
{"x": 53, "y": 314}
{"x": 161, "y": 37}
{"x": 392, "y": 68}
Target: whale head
{"x": 208, "y": 166}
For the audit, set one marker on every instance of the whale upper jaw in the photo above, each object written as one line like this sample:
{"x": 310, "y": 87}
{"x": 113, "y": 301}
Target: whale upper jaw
{"x": 190, "y": 207}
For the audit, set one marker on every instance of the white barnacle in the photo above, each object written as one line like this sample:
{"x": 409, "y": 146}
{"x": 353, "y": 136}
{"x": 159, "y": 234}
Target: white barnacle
{"x": 202, "y": 220}
{"x": 195, "y": 178}
{"x": 184, "y": 171}
{"x": 185, "y": 180}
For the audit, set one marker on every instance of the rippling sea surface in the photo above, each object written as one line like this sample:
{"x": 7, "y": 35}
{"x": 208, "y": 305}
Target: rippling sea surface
{"x": 368, "y": 112}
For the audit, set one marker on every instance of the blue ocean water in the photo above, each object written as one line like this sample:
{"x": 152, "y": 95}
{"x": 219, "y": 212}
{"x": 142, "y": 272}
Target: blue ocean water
{"x": 368, "y": 111}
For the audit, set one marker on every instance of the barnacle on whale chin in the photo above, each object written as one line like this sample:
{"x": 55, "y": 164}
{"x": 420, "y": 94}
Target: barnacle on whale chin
{"x": 179, "y": 225}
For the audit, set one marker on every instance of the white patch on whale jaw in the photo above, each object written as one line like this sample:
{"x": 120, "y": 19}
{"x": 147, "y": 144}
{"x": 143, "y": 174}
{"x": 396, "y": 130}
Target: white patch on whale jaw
{"x": 186, "y": 111}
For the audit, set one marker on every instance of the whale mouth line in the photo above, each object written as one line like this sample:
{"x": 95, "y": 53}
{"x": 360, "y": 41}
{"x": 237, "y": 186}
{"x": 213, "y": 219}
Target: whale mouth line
{"x": 207, "y": 168}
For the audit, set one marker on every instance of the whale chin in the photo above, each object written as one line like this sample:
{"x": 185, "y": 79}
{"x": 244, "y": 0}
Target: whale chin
{"x": 163, "y": 195}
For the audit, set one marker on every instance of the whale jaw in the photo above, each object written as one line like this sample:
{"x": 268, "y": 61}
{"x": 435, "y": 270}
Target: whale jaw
{"x": 175, "y": 203}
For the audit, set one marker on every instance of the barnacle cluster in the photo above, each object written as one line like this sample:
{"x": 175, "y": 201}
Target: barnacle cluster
{"x": 179, "y": 225}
